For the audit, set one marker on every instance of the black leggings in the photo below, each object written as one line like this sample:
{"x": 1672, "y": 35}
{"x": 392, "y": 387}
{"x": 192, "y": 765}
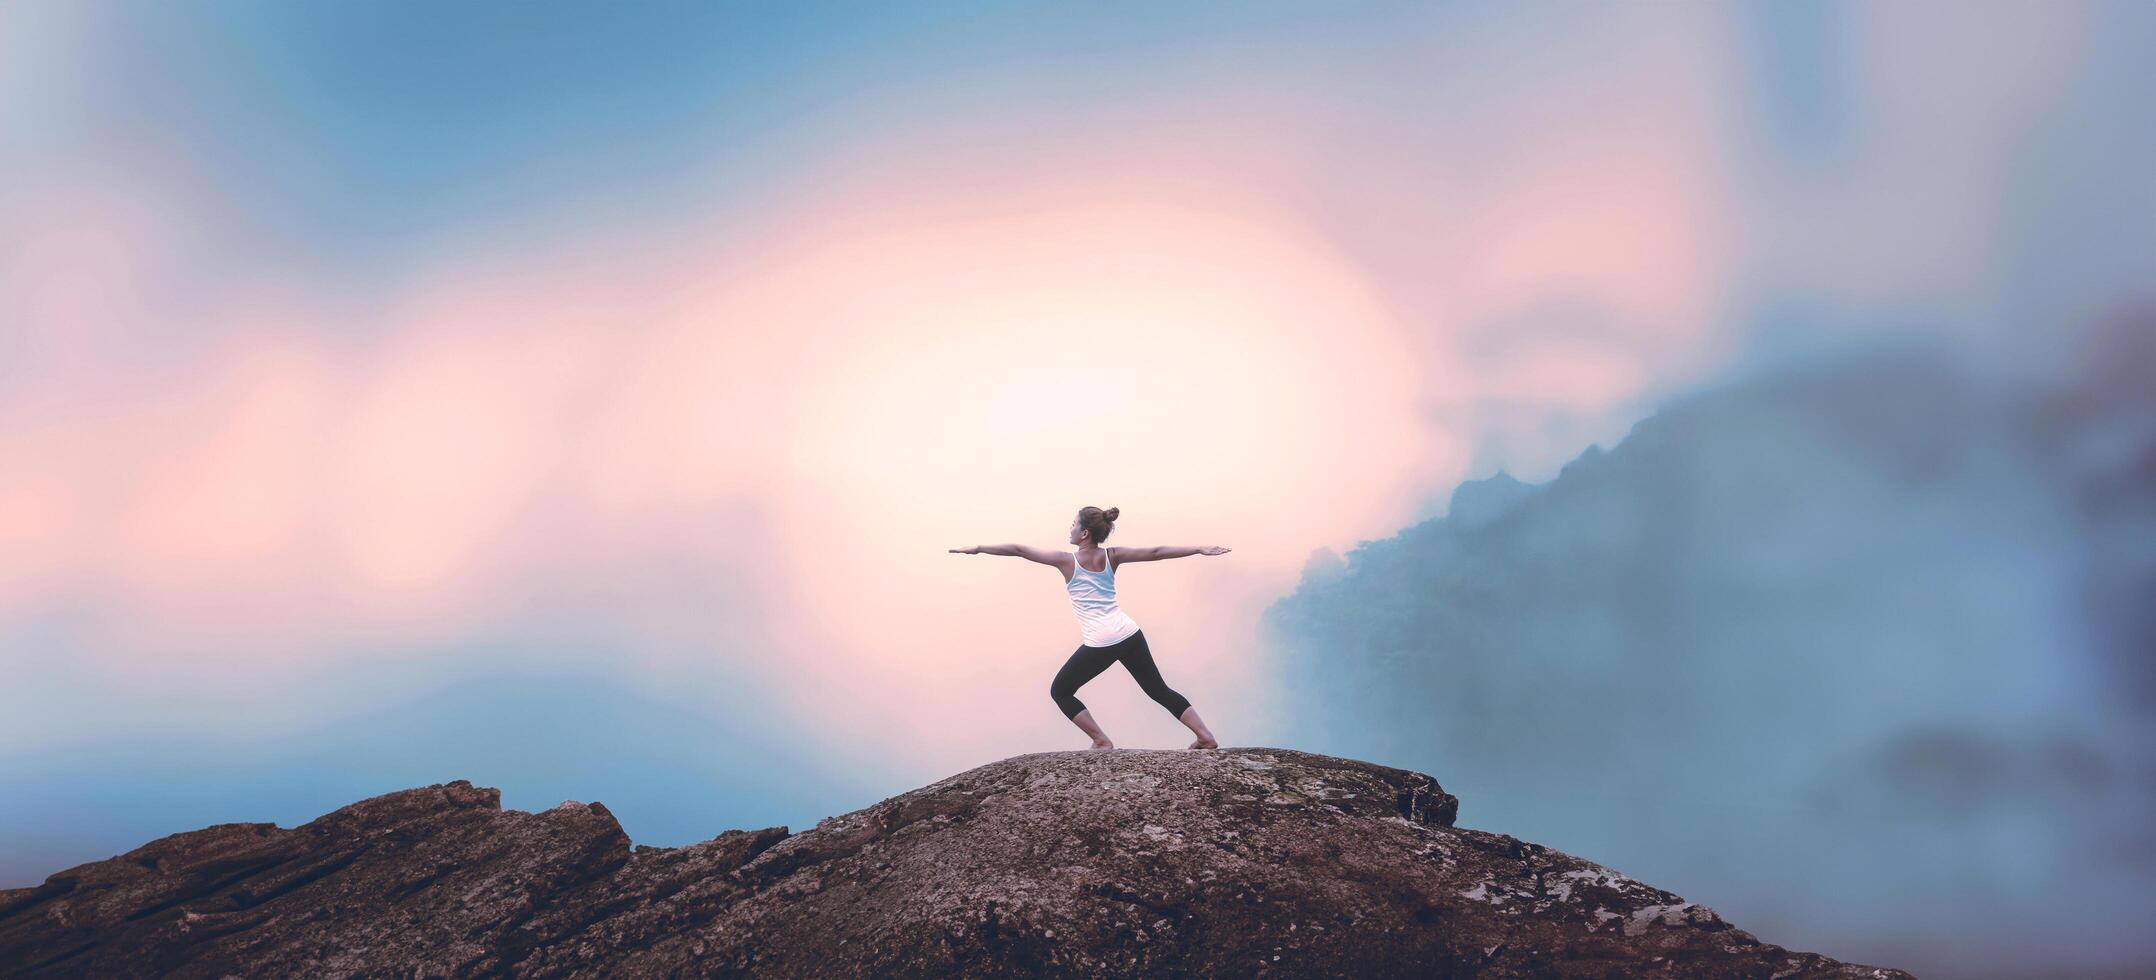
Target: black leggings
{"x": 1137, "y": 658}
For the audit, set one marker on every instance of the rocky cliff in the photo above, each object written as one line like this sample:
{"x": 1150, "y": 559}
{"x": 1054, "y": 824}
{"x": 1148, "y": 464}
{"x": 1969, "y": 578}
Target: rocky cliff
{"x": 1239, "y": 862}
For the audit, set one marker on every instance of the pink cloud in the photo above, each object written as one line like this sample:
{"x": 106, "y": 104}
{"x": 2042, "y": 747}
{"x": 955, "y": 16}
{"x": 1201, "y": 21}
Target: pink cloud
{"x": 808, "y": 406}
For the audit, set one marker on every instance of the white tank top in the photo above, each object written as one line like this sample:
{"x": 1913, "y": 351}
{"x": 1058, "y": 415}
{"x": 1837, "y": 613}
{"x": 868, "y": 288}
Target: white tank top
{"x": 1101, "y": 622}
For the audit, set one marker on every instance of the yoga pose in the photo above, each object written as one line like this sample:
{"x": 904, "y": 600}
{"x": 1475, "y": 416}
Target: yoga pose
{"x": 1108, "y": 634}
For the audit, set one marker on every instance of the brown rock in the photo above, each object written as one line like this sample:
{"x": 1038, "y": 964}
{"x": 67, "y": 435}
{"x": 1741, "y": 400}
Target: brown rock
{"x": 1126, "y": 863}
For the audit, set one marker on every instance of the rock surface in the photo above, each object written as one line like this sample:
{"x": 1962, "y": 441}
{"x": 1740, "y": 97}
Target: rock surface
{"x": 1240, "y": 862}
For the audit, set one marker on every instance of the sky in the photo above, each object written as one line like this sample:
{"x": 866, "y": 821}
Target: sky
{"x": 584, "y": 402}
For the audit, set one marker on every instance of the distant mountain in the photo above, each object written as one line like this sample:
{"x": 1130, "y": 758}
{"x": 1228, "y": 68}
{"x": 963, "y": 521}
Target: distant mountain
{"x": 1873, "y": 614}
{"x": 1478, "y": 502}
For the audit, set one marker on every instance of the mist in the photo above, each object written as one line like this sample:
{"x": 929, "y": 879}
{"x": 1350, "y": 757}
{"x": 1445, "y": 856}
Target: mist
{"x": 1856, "y": 649}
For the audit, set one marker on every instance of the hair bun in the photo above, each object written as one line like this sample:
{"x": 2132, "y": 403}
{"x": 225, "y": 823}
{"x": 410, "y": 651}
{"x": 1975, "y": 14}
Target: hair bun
{"x": 1111, "y": 513}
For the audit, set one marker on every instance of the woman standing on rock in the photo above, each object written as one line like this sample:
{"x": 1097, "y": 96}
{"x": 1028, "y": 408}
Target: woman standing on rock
{"x": 1109, "y": 635}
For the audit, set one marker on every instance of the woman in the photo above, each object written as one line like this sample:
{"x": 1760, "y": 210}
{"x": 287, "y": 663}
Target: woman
{"x": 1108, "y": 635}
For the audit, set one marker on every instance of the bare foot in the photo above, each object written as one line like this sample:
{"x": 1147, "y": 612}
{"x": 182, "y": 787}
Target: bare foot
{"x": 1205, "y": 743}
{"x": 1101, "y": 744}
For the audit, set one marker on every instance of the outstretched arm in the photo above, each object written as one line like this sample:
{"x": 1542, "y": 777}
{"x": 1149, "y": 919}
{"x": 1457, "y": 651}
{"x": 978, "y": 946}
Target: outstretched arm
{"x": 1161, "y": 552}
{"x": 1011, "y": 550}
